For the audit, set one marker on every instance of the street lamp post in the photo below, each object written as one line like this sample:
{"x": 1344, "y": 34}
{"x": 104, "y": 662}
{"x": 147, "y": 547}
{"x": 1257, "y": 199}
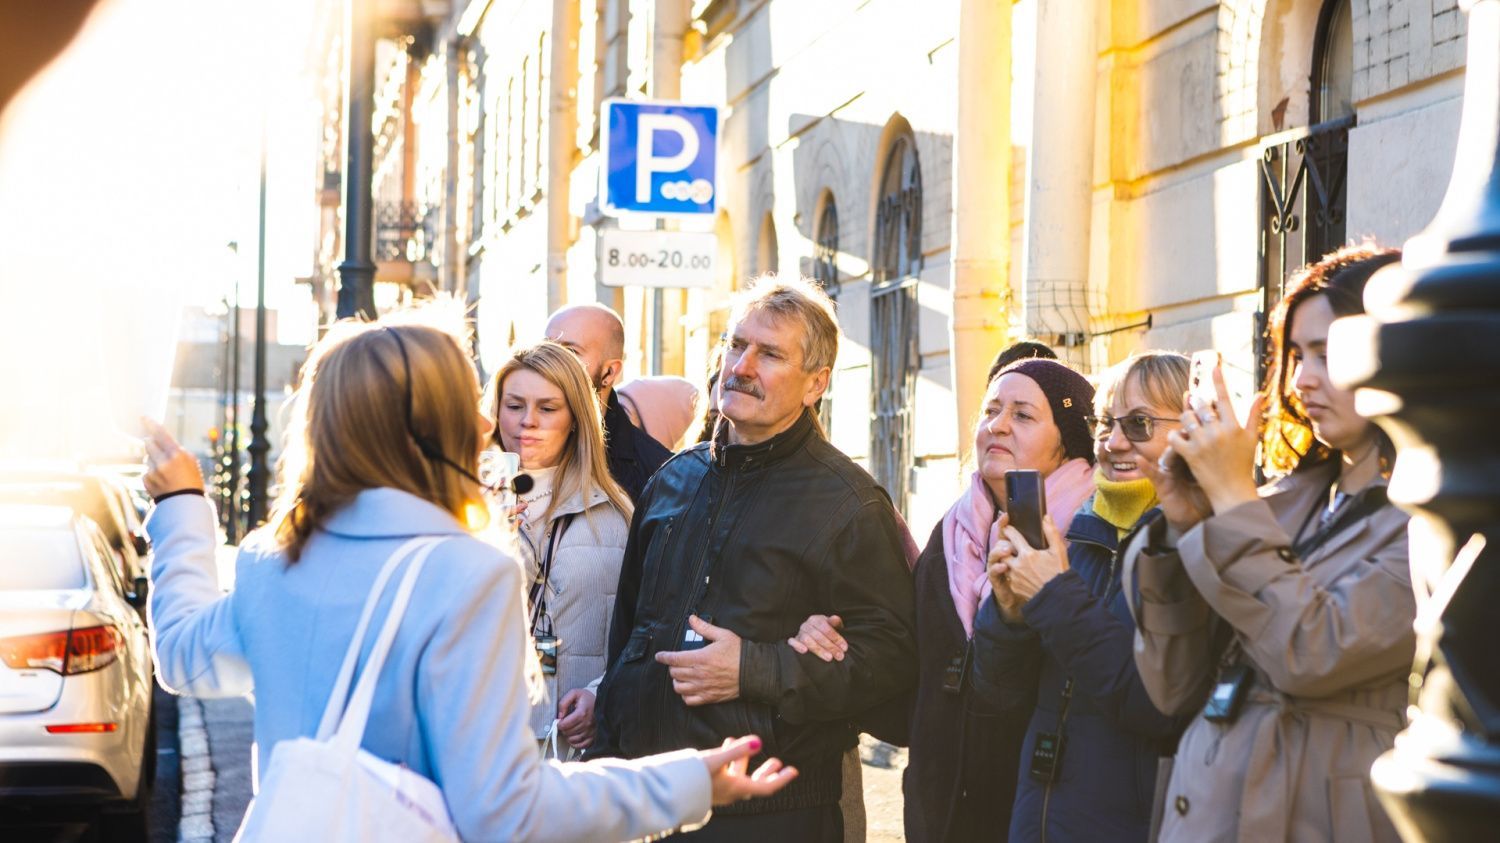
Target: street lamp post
{"x": 259, "y": 446}
{"x": 221, "y": 440}
{"x": 357, "y": 272}
{"x": 232, "y": 527}
{"x": 1428, "y": 364}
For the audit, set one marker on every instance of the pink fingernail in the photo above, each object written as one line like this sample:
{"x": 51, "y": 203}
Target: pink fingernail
{"x": 755, "y": 745}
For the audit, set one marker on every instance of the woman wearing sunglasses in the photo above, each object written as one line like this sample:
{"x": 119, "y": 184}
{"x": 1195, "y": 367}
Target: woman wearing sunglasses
{"x": 1057, "y": 637}
{"x": 1281, "y": 616}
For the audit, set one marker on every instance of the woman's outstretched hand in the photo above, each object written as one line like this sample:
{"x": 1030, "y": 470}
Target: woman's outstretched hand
{"x": 168, "y": 467}
{"x": 727, "y": 767}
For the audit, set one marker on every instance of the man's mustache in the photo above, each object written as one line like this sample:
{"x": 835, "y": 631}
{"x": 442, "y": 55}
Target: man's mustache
{"x": 735, "y": 383}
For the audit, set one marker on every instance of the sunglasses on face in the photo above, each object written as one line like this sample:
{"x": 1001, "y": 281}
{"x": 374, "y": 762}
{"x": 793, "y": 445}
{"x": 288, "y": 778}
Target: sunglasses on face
{"x": 1137, "y": 427}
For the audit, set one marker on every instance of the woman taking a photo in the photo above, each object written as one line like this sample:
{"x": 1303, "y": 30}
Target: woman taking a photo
{"x": 961, "y": 774}
{"x": 1059, "y": 632}
{"x": 1281, "y": 616}
{"x": 572, "y": 523}
{"x": 383, "y": 447}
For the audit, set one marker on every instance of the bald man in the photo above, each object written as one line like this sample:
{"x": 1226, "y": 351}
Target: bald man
{"x": 596, "y": 334}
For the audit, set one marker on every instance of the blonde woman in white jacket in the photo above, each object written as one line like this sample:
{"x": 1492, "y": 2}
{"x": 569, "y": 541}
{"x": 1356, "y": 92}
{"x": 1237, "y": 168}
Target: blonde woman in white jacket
{"x": 383, "y": 446}
{"x": 572, "y": 527}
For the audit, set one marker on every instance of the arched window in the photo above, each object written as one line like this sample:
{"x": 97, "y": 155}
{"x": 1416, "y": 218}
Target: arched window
{"x": 1304, "y": 171}
{"x": 893, "y": 316}
{"x": 826, "y": 247}
{"x": 1333, "y": 64}
{"x": 898, "y": 219}
{"x": 826, "y": 273}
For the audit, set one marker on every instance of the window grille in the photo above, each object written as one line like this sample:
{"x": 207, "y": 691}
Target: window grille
{"x": 1304, "y": 174}
{"x": 826, "y": 249}
{"x": 826, "y": 273}
{"x": 893, "y": 319}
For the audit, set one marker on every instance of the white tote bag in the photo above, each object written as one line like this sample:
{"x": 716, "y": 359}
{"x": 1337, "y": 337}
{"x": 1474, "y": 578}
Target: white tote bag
{"x": 327, "y": 788}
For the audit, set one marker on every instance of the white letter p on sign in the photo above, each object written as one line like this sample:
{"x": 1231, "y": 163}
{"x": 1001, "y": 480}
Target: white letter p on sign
{"x": 646, "y": 162}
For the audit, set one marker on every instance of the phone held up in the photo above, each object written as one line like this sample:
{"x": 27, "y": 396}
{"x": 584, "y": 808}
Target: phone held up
{"x": 1201, "y": 389}
{"x": 1202, "y": 392}
{"x": 1025, "y": 504}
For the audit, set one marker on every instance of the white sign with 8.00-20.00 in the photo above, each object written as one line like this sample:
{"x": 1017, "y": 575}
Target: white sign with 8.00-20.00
{"x": 657, "y": 258}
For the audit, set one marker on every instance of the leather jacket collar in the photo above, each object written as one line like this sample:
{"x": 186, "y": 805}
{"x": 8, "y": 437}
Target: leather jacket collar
{"x": 751, "y": 457}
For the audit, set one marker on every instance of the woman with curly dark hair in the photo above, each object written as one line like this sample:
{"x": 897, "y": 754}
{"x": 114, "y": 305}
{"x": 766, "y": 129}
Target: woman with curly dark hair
{"x": 1281, "y": 615}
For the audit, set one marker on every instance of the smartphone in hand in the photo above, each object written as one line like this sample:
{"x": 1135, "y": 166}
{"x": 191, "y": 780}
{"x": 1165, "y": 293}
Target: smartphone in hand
{"x": 1025, "y": 504}
{"x": 1201, "y": 389}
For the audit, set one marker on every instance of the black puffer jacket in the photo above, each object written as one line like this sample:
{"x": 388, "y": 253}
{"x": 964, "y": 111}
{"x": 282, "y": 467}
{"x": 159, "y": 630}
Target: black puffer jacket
{"x": 755, "y": 539}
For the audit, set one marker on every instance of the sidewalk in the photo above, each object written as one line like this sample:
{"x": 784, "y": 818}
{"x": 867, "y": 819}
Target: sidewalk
{"x": 214, "y": 739}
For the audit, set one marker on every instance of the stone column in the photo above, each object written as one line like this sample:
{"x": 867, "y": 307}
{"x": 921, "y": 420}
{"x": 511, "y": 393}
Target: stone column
{"x": 562, "y": 146}
{"x": 981, "y": 202}
{"x": 1059, "y": 179}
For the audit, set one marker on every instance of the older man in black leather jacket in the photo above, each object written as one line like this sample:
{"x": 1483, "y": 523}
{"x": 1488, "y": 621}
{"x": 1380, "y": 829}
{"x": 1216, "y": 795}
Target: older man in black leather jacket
{"x": 733, "y": 544}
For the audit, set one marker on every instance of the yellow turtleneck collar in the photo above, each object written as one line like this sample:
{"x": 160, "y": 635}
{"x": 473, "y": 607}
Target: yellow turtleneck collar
{"x": 1121, "y": 503}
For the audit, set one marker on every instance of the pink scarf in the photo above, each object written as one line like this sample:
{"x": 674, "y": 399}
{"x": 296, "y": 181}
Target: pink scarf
{"x": 970, "y": 529}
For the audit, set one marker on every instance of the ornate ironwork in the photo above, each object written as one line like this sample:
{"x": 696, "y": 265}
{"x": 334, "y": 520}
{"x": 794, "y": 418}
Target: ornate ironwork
{"x": 402, "y": 232}
{"x": 893, "y": 320}
{"x": 1302, "y": 208}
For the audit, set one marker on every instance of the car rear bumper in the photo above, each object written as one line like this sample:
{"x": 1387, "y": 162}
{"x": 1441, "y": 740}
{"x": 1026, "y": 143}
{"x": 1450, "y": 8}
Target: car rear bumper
{"x": 99, "y": 765}
{"x": 56, "y": 781}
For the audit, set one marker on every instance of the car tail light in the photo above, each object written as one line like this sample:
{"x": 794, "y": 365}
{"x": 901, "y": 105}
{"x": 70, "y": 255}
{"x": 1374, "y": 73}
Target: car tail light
{"x": 91, "y": 648}
{"x": 66, "y": 653}
{"x": 82, "y": 728}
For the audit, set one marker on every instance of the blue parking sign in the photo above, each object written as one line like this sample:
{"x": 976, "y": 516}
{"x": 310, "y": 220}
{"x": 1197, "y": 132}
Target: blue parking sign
{"x": 660, "y": 158}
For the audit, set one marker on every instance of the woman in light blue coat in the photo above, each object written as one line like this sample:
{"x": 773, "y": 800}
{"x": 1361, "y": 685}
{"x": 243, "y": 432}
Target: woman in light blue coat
{"x": 383, "y": 447}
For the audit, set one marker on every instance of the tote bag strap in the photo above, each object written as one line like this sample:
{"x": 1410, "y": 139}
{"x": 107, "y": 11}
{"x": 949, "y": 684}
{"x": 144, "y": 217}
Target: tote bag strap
{"x": 338, "y": 698}
{"x": 351, "y": 728}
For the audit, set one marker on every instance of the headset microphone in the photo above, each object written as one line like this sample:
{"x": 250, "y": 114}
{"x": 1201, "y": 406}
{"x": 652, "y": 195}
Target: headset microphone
{"x": 520, "y": 484}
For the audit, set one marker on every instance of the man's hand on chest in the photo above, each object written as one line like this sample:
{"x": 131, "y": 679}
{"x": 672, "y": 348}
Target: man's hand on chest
{"x": 709, "y": 674}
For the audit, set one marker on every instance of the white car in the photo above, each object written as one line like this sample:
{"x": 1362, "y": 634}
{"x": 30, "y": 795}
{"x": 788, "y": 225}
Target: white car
{"x": 76, "y": 721}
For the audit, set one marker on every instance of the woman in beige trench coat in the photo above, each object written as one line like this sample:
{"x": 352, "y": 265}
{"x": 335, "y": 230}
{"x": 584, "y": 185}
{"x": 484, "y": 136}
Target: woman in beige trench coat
{"x": 1283, "y": 614}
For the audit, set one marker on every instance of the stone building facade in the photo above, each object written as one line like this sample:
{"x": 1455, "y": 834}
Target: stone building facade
{"x": 956, "y": 172}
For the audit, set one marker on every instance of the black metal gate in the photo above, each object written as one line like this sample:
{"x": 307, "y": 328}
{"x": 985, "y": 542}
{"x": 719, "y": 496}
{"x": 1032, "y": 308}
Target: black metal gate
{"x": 893, "y": 320}
{"x": 1303, "y": 200}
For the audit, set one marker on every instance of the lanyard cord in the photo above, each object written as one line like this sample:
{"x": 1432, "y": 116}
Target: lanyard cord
{"x": 539, "y": 588}
{"x": 1351, "y": 509}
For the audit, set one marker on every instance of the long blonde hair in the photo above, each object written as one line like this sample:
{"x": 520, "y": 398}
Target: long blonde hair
{"x": 585, "y": 466}
{"x": 355, "y": 414}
